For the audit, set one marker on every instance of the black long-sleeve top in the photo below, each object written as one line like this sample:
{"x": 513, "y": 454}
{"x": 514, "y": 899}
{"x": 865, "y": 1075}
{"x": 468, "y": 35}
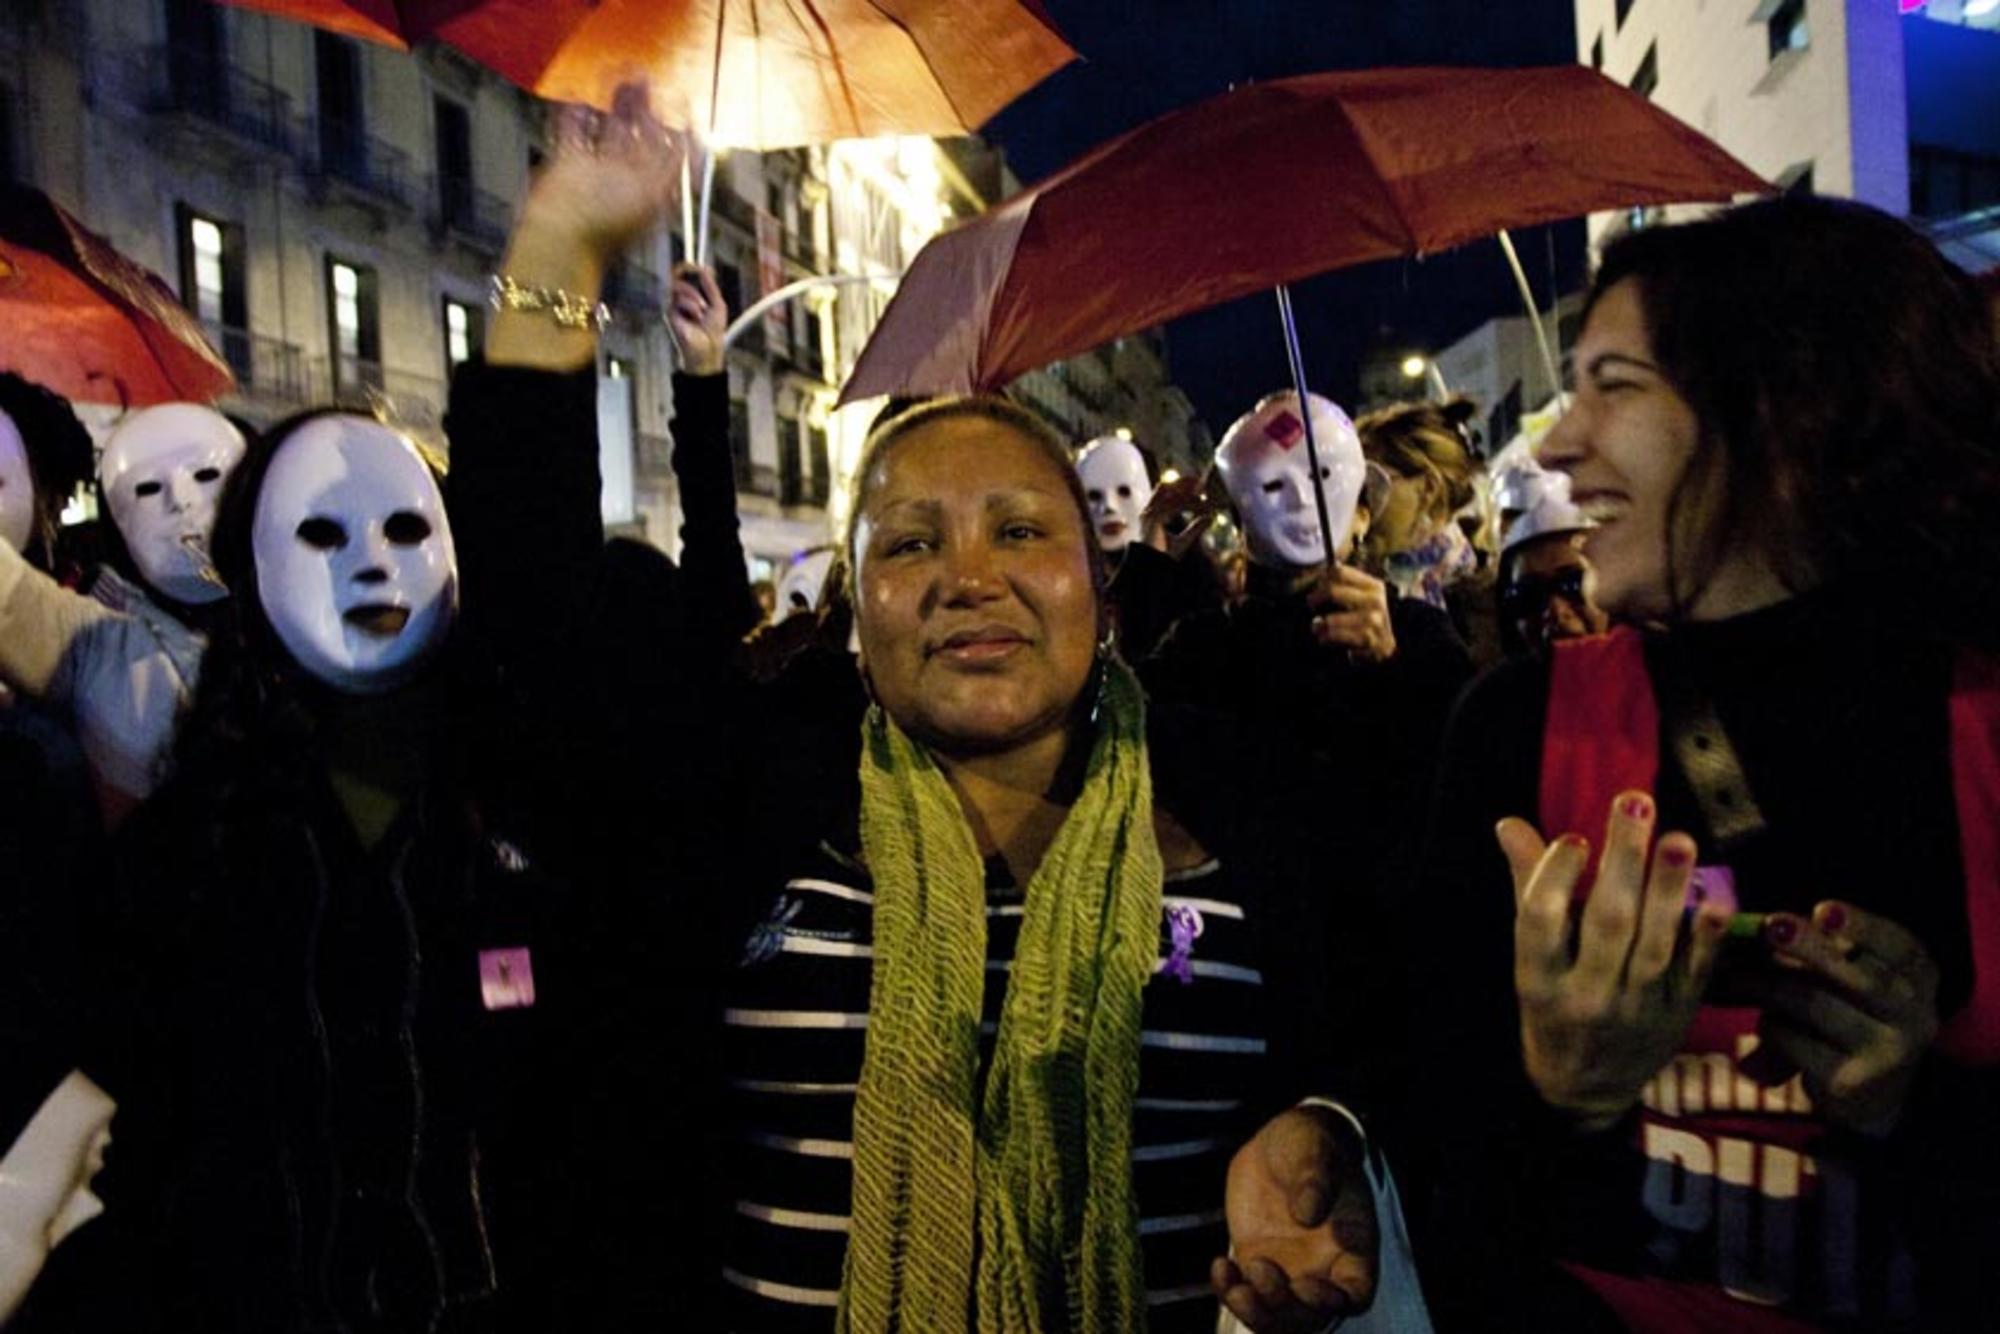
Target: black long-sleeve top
{"x": 1842, "y": 731}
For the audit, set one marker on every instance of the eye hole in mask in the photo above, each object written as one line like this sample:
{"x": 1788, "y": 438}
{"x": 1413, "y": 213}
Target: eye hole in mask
{"x": 406, "y": 528}
{"x": 207, "y": 475}
{"x": 147, "y": 489}
{"x": 322, "y": 533}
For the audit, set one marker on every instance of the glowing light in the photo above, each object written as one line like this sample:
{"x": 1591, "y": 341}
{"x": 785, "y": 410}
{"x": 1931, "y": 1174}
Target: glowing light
{"x": 1413, "y": 367}
{"x": 1123, "y": 433}
{"x": 1170, "y": 475}
{"x": 1980, "y": 8}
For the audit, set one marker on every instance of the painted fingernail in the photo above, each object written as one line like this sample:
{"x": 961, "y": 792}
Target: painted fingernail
{"x": 1635, "y": 806}
{"x": 1832, "y": 918}
{"x": 1676, "y": 855}
{"x": 1782, "y": 931}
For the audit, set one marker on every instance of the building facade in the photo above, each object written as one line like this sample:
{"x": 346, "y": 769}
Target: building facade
{"x": 1892, "y": 102}
{"x": 333, "y": 211}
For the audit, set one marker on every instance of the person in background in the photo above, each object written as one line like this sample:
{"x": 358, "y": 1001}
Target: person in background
{"x": 1416, "y": 541}
{"x": 52, "y": 1117}
{"x": 1332, "y": 692}
{"x": 1544, "y": 580}
{"x": 766, "y": 594}
{"x": 400, "y": 1051}
{"x": 1655, "y": 1113}
{"x": 1153, "y": 584}
{"x": 123, "y": 663}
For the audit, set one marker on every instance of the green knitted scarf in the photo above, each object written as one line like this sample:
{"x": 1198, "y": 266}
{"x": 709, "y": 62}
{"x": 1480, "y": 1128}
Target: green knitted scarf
{"x": 1013, "y": 1209}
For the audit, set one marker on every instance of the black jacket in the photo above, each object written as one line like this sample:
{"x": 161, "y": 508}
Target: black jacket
{"x": 332, "y": 1116}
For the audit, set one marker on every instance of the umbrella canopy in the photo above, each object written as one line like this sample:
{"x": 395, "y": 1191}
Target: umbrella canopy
{"x": 805, "y": 72}
{"x": 80, "y": 318}
{"x": 1266, "y": 185}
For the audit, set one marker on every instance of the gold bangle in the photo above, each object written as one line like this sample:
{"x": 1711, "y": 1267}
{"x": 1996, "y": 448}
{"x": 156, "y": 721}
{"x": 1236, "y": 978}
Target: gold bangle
{"x": 565, "y": 308}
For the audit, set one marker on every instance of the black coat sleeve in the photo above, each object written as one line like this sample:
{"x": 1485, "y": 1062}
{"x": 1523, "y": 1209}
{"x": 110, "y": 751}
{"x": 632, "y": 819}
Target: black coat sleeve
{"x": 721, "y": 607}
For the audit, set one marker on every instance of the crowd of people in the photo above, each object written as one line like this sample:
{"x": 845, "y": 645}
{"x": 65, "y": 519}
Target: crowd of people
{"x": 1560, "y": 892}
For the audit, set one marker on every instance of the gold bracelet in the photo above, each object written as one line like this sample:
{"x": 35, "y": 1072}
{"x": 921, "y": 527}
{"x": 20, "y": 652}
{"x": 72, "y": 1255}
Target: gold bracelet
{"x": 565, "y": 308}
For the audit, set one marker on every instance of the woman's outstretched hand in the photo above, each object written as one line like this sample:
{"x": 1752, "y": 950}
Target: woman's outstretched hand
{"x": 1606, "y": 993}
{"x": 1302, "y": 1226}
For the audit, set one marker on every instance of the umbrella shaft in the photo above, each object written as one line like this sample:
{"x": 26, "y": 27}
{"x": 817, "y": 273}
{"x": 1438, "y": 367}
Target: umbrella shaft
{"x": 1332, "y": 548}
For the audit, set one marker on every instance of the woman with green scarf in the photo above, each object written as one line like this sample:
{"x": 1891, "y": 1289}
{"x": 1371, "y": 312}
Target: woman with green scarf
{"x": 1005, "y": 1049}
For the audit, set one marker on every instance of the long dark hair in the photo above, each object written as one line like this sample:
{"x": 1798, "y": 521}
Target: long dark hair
{"x": 61, "y": 457}
{"x": 1846, "y": 383}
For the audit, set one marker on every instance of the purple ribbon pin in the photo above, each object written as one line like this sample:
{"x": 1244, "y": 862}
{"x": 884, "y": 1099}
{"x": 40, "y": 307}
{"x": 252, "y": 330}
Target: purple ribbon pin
{"x": 1185, "y": 924}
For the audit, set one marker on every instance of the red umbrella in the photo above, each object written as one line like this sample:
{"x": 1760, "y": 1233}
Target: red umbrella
{"x": 758, "y": 76}
{"x": 1268, "y": 184}
{"x": 80, "y": 318}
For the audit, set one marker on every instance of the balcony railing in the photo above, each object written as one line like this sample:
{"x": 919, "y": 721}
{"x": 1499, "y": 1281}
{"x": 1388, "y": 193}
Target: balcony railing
{"x": 267, "y": 370}
{"x": 460, "y": 209}
{"x": 190, "y": 82}
{"x": 340, "y": 151}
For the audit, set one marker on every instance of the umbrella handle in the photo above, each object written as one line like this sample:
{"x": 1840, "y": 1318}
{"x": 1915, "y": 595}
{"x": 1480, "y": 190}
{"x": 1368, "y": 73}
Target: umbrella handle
{"x": 1291, "y": 326}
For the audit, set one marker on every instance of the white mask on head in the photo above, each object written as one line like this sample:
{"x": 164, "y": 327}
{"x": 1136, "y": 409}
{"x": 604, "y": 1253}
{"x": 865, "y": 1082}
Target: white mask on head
{"x": 805, "y": 579}
{"x": 162, "y": 475}
{"x": 355, "y": 566}
{"x": 1264, "y": 464}
{"x": 17, "y": 487}
{"x": 1114, "y": 482}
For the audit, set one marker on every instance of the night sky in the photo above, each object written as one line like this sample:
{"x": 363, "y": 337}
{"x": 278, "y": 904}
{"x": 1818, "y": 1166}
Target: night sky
{"x": 1145, "y": 57}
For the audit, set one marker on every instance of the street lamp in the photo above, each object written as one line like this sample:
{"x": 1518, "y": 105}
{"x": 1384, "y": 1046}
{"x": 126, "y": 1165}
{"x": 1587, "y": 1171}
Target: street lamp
{"x": 1416, "y": 366}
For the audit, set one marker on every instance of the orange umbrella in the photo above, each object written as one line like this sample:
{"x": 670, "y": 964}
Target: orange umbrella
{"x": 758, "y": 76}
{"x": 1266, "y": 185}
{"x": 80, "y": 318}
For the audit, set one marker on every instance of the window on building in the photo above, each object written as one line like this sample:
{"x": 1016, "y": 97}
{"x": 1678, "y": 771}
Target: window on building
{"x": 1597, "y": 52}
{"x": 1943, "y": 182}
{"x": 739, "y": 441}
{"x": 1620, "y": 10}
{"x": 8, "y": 171}
{"x": 354, "y": 325}
{"x": 791, "y": 463}
{"x": 454, "y": 161}
{"x": 822, "y": 468}
{"x": 1787, "y": 26}
{"x": 194, "y": 53}
{"x": 1647, "y": 78}
{"x": 212, "y": 282}
{"x": 342, "y": 131}
{"x": 464, "y": 331}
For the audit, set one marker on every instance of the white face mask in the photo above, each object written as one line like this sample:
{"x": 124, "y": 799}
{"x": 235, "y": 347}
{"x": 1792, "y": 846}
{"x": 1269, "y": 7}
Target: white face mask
{"x": 355, "y": 566}
{"x": 1114, "y": 482}
{"x": 17, "y": 488}
{"x": 162, "y": 475}
{"x": 1263, "y": 462}
{"x": 799, "y": 591}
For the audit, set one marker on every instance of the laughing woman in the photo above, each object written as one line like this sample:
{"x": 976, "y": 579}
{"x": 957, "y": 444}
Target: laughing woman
{"x": 1787, "y": 426}
{"x": 1007, "y": 1021}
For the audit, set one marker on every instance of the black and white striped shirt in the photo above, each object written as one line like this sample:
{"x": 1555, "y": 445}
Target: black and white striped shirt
{"x": 796, "y": 1024}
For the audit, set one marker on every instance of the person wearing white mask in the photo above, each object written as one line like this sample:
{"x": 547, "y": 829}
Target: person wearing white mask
{"x": 1332, "y": 692}
{"x": 410, "y": 1060}
{"x": 1153, "y": 583}
{"x": 1118, "y": 486}
{"x": 124, "y": 662}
